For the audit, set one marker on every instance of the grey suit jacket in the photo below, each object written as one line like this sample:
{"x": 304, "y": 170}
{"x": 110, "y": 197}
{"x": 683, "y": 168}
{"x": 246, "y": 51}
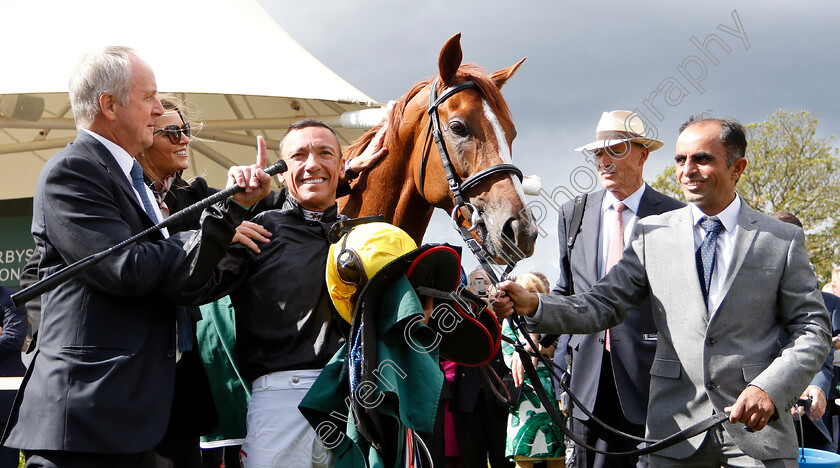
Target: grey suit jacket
{"x": 633, "y": 341}
{"x": 702, "y": 364}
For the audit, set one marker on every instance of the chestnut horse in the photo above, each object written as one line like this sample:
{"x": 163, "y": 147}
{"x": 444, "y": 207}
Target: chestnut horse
{"x": 476, "y": 132}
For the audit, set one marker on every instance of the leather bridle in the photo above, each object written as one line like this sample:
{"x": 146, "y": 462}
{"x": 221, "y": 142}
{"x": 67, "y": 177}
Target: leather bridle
{"x": 456, "y": 186}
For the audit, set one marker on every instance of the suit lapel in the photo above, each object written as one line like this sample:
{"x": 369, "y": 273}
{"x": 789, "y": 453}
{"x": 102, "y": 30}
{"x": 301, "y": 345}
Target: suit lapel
{"x": 648, "y": 205}
{"x": 685, "y": 255}
{"x": 101, "y": 154}
{"x": 591, "y": 224}
{"x": 745, "y": 233}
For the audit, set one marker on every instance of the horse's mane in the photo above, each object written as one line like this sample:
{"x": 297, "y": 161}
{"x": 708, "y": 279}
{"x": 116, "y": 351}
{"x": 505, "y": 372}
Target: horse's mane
{"x": 467, "y": 71}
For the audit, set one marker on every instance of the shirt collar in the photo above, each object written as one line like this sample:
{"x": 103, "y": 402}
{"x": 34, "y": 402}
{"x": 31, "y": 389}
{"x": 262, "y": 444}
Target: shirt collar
{"x": 632, "y": 202}
{"x": 728, "y": 217}
{"x": 292, "y": 204}
{"x": 122, "y": 157}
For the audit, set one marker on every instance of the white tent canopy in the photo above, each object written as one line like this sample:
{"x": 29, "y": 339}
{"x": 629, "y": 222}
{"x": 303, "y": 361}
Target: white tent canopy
{"x": 228, "y": 58}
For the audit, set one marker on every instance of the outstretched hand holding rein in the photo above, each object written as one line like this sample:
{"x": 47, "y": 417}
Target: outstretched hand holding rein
{"x": 255, "y": 182}
{"x": 510, "y": 295}
{"x": 754, "y": 408}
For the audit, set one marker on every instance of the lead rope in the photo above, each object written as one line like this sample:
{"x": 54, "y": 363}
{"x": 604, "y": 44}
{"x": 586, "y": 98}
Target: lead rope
{"x": 552, "y": 367}
{"x": 673, "y": 439}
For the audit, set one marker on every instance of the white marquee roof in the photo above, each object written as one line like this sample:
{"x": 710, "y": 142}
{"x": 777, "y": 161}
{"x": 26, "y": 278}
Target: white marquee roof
{"x": 229, "y": 58}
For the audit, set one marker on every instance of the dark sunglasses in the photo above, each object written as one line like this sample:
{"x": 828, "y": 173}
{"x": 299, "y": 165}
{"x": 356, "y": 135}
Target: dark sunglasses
{"x": 173, "y": 132}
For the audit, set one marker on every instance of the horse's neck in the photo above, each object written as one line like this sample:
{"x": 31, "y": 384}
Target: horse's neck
{"x": 412, "y": 215}
{"x": 389, "y": 190}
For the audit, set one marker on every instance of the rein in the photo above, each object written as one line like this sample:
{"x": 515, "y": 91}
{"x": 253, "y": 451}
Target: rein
{"x": 550, "y": 406}
{"x": 551, "y": 409}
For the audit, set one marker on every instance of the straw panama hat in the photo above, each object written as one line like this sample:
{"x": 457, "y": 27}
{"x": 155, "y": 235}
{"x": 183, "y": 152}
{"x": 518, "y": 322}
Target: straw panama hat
{"x": 617, "y": 127}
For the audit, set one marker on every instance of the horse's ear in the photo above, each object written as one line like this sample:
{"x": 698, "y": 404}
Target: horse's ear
{"x": 500, "y": 77}
{"x": 450, "y": 59}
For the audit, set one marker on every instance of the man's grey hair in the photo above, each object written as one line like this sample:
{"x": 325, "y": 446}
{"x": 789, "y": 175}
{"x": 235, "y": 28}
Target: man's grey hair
{"x": 107, "y": 70}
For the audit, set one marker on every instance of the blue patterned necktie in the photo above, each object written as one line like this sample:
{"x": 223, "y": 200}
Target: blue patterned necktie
{"x": 140, "y": 186}
{"x": 182, "y": 315}
{"x": 706, "y": 253}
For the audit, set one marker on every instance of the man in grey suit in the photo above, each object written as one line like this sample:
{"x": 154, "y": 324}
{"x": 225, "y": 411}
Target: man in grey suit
{"x": 99, "y": 390}
{"x": 723, "y": 280}
{"x": 611, "y": 381}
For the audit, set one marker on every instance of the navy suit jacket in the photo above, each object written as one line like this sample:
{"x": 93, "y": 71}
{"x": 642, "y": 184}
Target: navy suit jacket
{"x": 12, "y": 337}
{"x": 633, "y": 342}
{"x": 816, "y": 432}
{"x": 820, "y": 437}
{"x": 102, "y": 377}
{"x": 832, "y": 303}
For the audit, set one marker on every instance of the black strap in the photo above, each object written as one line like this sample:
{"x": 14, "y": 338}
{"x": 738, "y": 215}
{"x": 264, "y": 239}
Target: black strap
{"x": 577, "y": 218}
{"x": 339, "y": 229}
{"x": 552, "y": 367}
{"x": 437, "y": 135}
{"x": 498, "y": 168}
{"x": 495, "y": 384}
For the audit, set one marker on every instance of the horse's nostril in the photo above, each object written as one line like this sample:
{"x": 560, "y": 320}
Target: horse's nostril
{"x": 510, "y": 237}
{"x": 509, "y": 232}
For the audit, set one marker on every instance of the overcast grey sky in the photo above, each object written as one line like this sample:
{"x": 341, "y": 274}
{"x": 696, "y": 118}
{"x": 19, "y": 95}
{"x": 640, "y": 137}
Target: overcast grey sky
{"x": 585, "y": 58}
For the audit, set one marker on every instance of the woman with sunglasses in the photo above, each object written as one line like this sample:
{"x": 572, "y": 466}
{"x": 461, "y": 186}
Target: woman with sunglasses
{"x": 163, "y": 164}
{"x": 194, "y": 410}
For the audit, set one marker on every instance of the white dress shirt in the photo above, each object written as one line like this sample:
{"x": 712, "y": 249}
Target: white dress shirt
{"x": 723, "y": 250}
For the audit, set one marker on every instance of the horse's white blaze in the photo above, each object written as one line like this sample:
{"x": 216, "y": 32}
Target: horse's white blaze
{"x": 504, "y": 150}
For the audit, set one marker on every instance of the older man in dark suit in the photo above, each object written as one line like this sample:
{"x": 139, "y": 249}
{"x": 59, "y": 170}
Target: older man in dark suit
{"x": 99, "y": 389}
{"x": 724, "y": 281}
{"x": 610, "y": 376}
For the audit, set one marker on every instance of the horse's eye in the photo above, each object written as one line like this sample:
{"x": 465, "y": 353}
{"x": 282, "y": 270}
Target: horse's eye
{"x": 457, "y": 127}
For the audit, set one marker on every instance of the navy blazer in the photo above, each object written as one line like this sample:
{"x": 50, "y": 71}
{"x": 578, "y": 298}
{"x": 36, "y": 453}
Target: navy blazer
{"x": 633, "y": 342}
{"x": 101, "y": 379}
{"x": 816, "y": 431}
{"x": 817, "y": 434}
{"x": 12, "y": 337}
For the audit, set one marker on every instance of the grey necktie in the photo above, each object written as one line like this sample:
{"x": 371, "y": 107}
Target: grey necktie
{"x": 706, "y": 253}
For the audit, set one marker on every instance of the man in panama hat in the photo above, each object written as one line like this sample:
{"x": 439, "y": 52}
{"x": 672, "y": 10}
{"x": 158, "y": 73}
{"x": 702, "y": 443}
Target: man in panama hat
{"x": 610, "y": 370}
